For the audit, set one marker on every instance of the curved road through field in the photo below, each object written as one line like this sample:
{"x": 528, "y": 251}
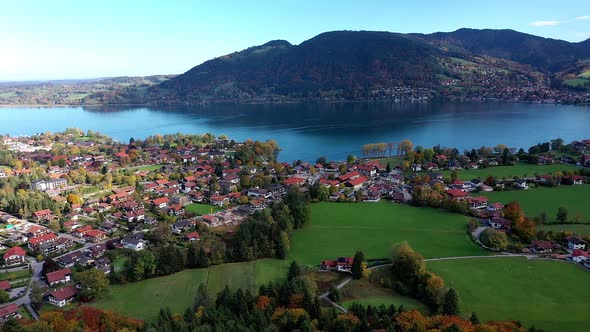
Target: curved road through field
{"x": 325, "y": 296}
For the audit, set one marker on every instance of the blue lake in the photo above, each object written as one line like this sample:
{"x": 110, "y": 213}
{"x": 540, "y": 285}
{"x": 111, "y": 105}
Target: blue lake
{"x": 334, "y": 130}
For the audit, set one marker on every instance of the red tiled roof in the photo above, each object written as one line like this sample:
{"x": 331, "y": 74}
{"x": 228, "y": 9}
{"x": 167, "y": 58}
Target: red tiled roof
{"x": 8, "y": 310}
{"x": 579, "y": 252}
{"x": 357, "y": 181}
{"x": 95, "y": 233}
{"x": 42, "y": 213}
{"x": 193, "y": 235}
{"x": 160, "y": 200}
{"x": 58, "y": 275}
{"x": 456, "y": 193}
{"x": 14, "y": 251}
{"x": 4, "y": 285}
{"x": 42, "y": 238}
{"x": 347, "y": 176}
{"x": 293, "y": 180}
{"x": 64, "y": 293}
{"x": 543, "y": 244}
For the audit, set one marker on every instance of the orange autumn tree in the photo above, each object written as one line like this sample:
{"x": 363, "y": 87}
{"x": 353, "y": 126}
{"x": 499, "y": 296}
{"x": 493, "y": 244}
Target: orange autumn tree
{"x": 524, "y": 227}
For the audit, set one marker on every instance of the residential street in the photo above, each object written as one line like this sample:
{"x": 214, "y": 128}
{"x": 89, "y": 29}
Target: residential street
{"x": 36, "y": 277}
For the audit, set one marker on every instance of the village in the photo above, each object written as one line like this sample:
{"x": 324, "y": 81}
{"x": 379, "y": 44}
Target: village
{"x": 90, "y": 198}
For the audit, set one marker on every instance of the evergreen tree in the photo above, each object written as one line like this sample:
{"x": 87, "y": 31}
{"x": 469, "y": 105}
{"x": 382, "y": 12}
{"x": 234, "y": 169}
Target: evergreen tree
{"x": 202, "y": 258}
{"x": 474, "y": 319}
{"x": 192, "y": 256}
{"x": 358, "y": 265}
{"x": 294, "y": 271}
{"x": 450, "y": 304}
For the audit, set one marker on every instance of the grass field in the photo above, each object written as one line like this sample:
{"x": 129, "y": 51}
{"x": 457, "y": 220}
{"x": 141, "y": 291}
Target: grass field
{"x": 576, "y": 82}
{"x": 534, "y": 201}
{"x": 520, "y": 170}
{"x": 144, "y": 299}
{"x": 338, "y": 229}
{"x": 550, "y": 295}
{"x": 364, "y": 292}
{"x": 579, "y": 229}
{"x": 393, "y": 161}
{"x": 201, "y": 209}
{"x": 145, "y": 168}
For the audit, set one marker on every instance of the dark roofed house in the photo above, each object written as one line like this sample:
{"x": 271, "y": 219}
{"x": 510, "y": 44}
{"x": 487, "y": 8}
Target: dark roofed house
{"x": 574, "y": 242}
{"x": 542, "y": 246}
{"x": 70, "y": 259}
{"x": 63, "y": 296}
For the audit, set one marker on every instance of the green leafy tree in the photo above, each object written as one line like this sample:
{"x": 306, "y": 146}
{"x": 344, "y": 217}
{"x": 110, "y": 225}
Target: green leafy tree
{"x": 93, "y": 283}
{"x": 4, "y": 296}
{"x": 494, "y": 239}
{"x": 36, "y": 294}
{"x": 335, "y": 294}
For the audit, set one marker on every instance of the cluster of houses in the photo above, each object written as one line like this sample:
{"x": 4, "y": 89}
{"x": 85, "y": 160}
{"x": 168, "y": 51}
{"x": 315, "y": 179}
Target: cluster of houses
{"x": 575, "y": 250}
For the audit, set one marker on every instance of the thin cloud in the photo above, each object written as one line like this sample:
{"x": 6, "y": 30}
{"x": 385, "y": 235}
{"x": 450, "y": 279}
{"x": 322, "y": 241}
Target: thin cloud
{"x": 587, "y": 17}
{"x": 544, "y": 23}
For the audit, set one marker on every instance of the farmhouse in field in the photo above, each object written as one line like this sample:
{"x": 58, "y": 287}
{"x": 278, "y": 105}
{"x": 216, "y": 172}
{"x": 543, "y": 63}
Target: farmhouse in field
{"x": 342, "y": 264}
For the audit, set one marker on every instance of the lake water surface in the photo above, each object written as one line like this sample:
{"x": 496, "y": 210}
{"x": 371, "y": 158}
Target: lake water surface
{"x": 307, "y": 131}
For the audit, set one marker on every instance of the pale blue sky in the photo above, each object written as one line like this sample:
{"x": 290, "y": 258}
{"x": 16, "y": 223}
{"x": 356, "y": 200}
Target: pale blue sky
{"x": 41, "y": 39}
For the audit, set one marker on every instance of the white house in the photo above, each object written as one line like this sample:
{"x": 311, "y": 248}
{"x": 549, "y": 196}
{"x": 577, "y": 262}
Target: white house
{"x": 580, "y": 256}
{"x": 63, "y": 296}
{"x": 575, "y": 243}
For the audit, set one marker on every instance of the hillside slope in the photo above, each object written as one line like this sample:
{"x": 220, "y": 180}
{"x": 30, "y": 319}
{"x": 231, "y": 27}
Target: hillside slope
{"x": 358, "y": 65}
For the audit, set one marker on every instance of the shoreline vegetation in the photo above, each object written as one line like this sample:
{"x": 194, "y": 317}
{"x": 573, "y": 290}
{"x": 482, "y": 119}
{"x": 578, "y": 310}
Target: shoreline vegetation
{"x": 284, "y": 102}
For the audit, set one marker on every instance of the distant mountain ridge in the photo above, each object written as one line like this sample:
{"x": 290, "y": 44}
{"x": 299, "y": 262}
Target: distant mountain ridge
{"x": 357, "y": 65}
{"x": 541, "y": 53}
{"x": 463, "y": 65}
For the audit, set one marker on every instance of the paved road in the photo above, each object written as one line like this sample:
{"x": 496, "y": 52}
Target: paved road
{"x": 324, "y": 297}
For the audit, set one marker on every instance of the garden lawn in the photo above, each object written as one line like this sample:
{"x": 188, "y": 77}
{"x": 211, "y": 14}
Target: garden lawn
{"x": 548, "y": 294}
{"x": 15, "y": 275}
{"x": 339, "y": 229}
{"x": 520, "y": 170}
{"x": 144, "y": 299}
{"x": 201, "y": 209}
{"x": 536, "y": 200}
{"x": 366, "y": 293}
{"x": 145, "y": 168}
{"x": 579, "y": 229}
